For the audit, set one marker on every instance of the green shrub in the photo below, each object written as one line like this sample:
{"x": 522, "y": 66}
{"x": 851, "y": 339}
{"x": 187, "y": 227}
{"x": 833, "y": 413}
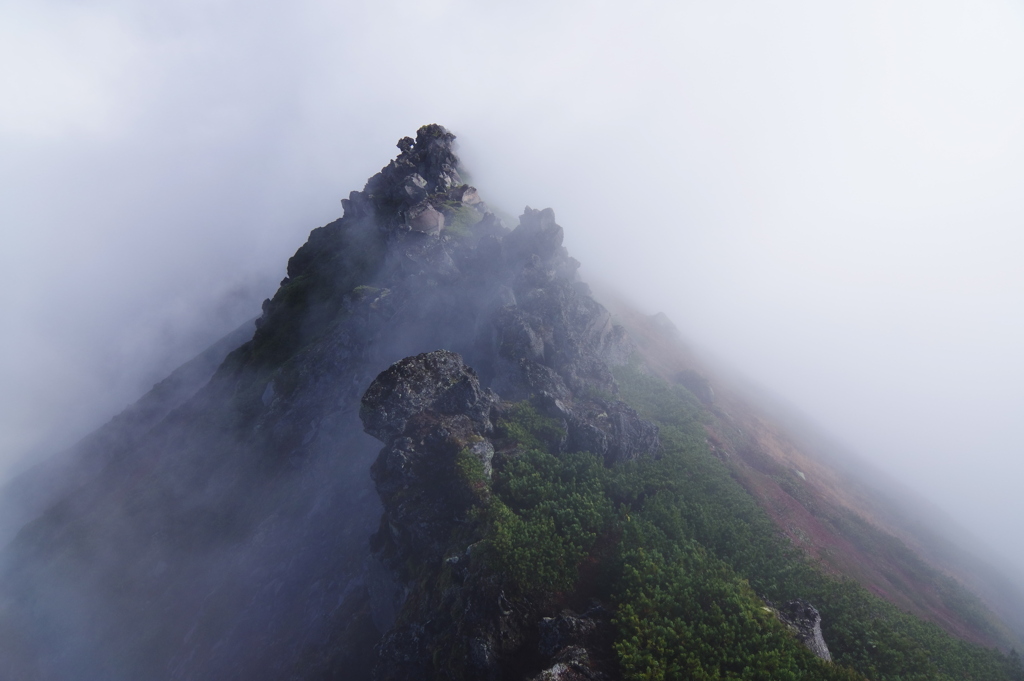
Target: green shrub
{"x": 684, "y": 555}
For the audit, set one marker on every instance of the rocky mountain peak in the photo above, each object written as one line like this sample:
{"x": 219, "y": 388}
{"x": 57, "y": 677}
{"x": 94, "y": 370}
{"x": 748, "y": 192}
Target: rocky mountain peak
{"x": 415, "y": 189}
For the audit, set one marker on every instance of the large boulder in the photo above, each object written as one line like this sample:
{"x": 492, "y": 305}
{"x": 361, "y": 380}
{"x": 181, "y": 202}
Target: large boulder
{"x": 437, "y": 382}
{"x": 426, "y": 219}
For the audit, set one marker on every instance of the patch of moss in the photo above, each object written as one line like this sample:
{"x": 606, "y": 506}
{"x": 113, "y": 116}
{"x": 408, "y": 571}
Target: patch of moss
{"x": 470, "y": 471}
{"x": 459, "y": 219}
{"x": 547, "y": 516}
{"x": 523, "y": 424}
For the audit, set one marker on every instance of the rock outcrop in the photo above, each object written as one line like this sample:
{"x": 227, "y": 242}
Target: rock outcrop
{"x": 577, "y": 646}
{"x": 429, "y": 410}
{"x": 804, "y": 621}
{"x": 435, "y": 421}
{"x": 434, "y": 417}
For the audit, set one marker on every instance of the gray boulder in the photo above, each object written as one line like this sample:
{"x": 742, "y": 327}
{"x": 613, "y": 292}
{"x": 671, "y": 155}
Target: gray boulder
{"x": 437, "y": 382}
{"x": 803, "y": 619}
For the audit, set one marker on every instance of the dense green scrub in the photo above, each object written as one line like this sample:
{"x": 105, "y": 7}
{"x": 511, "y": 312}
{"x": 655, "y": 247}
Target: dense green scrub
{"x": 686, "y": 556}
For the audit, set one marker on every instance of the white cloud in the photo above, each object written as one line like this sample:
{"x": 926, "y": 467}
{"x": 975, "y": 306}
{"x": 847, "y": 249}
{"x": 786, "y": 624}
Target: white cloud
{"x": 62, "y": 68}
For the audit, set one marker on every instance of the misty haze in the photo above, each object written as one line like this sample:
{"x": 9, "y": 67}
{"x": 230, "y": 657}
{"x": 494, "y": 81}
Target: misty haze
{"x": 691, "y": 337}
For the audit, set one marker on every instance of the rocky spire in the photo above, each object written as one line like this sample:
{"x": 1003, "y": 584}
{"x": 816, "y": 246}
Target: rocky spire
{"x": 412, "y": 191}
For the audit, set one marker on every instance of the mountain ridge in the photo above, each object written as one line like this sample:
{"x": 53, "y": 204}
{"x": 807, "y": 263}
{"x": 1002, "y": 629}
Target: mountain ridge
{"x": 529, "y": 511}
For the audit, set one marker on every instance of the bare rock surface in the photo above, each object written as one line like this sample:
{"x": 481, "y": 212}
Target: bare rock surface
{"x": 437, "y": 381}
{"x": 803, "y": 619}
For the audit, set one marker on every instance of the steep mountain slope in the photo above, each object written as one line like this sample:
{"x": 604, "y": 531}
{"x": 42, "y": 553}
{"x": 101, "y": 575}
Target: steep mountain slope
{"x": 36, "y": 489}
{"x": 834, "y": 510}
{"x": 545, "y": 505}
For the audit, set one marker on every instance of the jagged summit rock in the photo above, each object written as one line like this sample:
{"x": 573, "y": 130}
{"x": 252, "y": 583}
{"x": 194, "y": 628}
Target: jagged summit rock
{"x": 412, "y": 191}
{"x": 514, "y": 309}
{"x": 508, "y": 301}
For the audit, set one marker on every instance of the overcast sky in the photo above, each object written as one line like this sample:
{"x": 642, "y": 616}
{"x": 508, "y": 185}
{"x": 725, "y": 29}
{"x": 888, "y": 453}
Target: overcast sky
{"x": 827, "y": 196}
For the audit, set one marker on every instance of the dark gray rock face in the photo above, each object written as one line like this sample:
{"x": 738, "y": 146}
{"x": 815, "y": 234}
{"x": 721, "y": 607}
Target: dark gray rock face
{"x": 428, "y": 410}
{"x": 433, "y": 417}
{"x": 438, "y": 382}
{"x": 803, "y": 619}
{"x": 229, "y": 538}
{"x": 576, "y": 646}
{"x": 564, "y": 631}
{"x": 612, "y": 429}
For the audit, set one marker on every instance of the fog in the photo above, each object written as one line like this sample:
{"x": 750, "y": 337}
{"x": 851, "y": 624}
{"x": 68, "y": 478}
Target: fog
{"x": 823, "y": 196}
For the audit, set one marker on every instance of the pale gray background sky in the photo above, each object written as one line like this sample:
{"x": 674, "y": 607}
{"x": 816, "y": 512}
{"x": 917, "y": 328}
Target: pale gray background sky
{"x": 826, "y": 195}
